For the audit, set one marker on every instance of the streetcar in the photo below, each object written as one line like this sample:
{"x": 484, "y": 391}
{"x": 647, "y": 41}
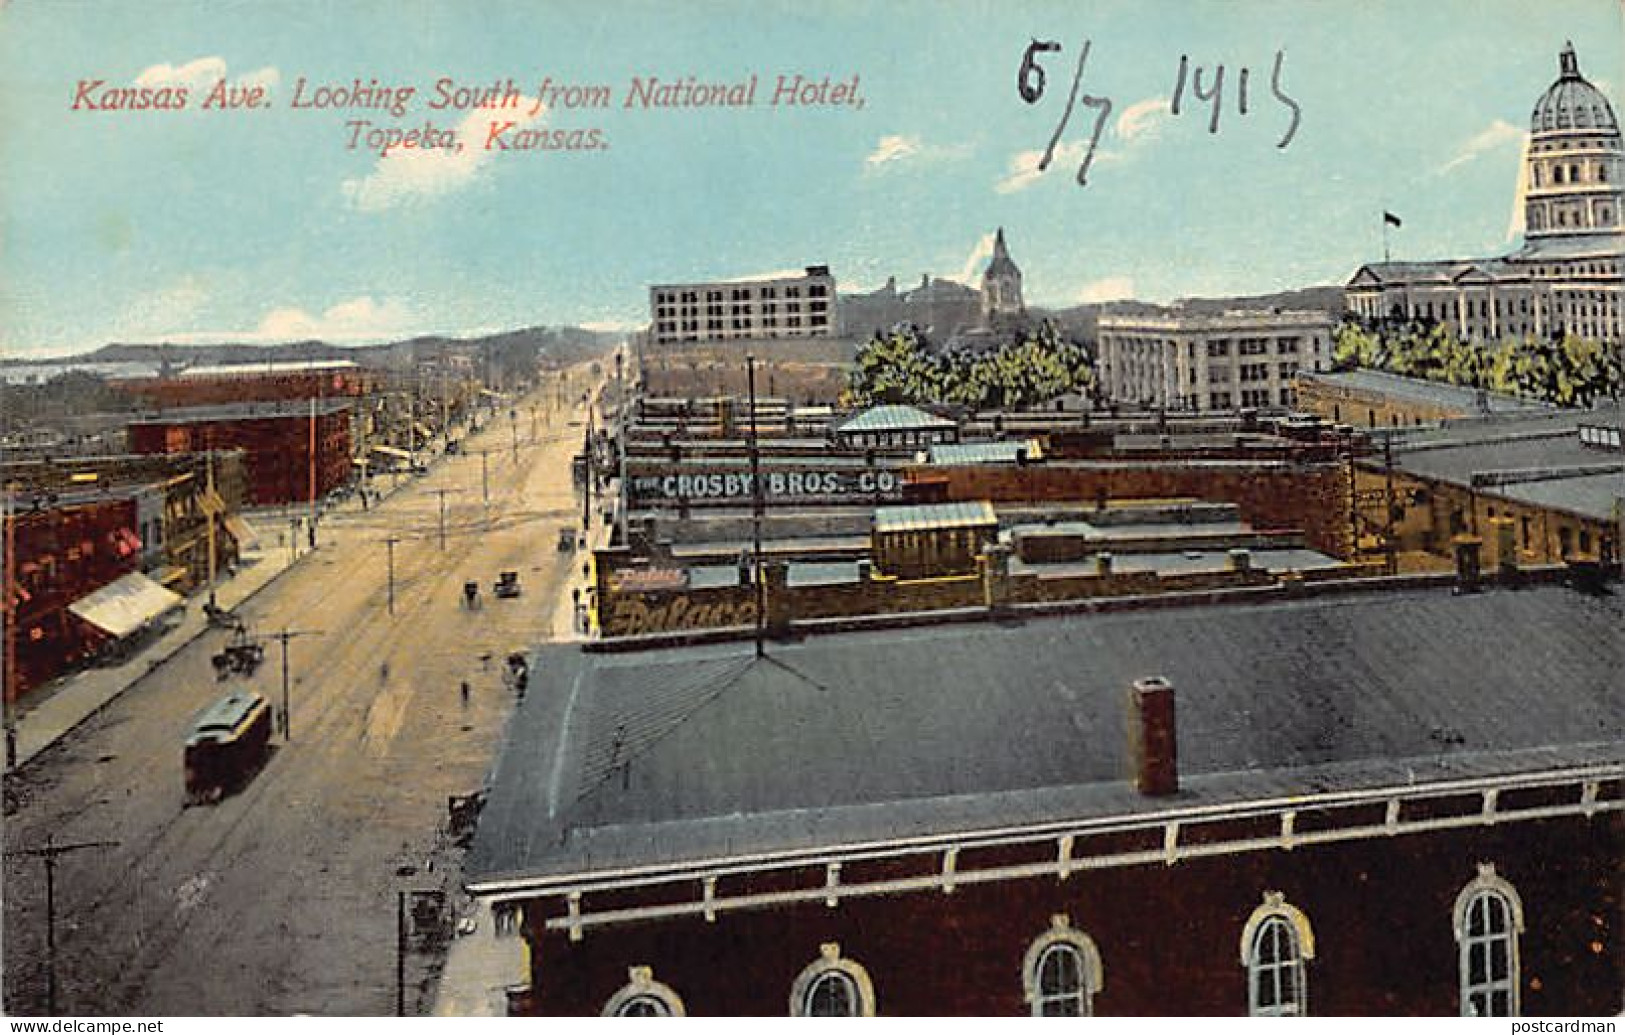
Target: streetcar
{"x": 226, "y": 746}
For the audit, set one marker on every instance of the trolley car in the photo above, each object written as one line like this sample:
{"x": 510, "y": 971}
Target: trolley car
{"x": 226, "y": 746}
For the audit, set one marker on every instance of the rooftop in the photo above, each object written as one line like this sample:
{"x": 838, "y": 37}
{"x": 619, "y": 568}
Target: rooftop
{"x": 681, "y": 755}
{"x": 1415, "y": 389}
{"x": 257, "y": 369}
{"x": 1535, "y": 457}
{"x": 1007, "y": 452}
{"x": 242, "y": 411}
{"x": 926, "y": 516}
{"x": 893, "y": 417}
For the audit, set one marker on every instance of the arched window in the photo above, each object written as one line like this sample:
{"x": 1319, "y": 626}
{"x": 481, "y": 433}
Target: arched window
{"x": 1275, "y": 944}
{"x": 832, "y": 987}
{"x": 643, "y": 996}
{"x": 1061, "y": 973}
{"x": 1488, "y": 919}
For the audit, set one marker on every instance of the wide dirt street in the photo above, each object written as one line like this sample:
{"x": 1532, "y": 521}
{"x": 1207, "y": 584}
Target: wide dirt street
{"x": 281, "y": 899}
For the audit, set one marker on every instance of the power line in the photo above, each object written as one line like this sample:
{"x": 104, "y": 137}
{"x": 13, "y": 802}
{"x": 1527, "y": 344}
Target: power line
{"x": 49, "y": 853}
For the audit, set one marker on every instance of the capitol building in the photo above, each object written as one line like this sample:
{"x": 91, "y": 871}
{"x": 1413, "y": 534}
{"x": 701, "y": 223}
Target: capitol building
{"x": 1566, "y": 278}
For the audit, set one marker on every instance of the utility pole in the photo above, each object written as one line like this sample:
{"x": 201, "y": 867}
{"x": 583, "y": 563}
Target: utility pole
{"x": 209, "y": 513}
{"x": 287, "y": 709}
{"x": 485, "y": 476}
{"x": 8, "y": 613}
{"x": 442, "y": 494}
{"x": 390, "y": 542}
{"x": 49, "y": 853}
{"x": 756, "y": 509}
{"x": 1390, "y": 555}
{"x": 587, "y": 472}
{"x": 513, "y": 425}
{"x": 400, "y": 954}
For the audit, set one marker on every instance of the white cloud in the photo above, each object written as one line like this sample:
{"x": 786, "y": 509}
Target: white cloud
{"x": 613, "y": 326}
{"x": 1138, "y": 125}
{"x": 1107, "y": 289}
{"x": 200, "y": 75}
{"x": 895, "y": 149}
{"x": 1515, "y": 217}
{"x": 408, "y": 175}
{"x": 1497, "y": 134}
{"x": 973, "y": 262}
{"x": 1023, "y": 170}
{"x": 356, "y": 321}
{"x": 1142, "y": 121}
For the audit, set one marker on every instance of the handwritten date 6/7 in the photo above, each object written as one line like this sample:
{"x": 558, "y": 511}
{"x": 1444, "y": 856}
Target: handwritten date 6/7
{"x": 1031, "y": 81}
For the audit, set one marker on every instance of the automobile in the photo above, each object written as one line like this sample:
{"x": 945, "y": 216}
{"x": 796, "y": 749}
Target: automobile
{"x": 567, "y": 539}
{"x": 507, "y": 584}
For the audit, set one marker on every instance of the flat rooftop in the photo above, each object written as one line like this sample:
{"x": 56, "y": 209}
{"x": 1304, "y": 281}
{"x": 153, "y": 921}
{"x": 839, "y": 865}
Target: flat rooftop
{"x": 682, "y": 755}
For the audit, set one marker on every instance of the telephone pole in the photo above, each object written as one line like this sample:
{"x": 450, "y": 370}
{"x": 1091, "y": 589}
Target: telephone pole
{"x": 756, "y": 509}
{"x": 287, "y": 709}
{"x": 390, "y": 543}
{"x": 49, "y": 853}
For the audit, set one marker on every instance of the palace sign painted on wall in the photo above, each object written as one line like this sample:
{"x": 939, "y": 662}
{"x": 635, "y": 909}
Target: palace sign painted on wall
{"x": 735, "y": 485}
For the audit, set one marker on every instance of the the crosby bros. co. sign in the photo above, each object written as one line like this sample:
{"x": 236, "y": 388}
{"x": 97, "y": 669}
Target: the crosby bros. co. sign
{"x": 736, "y": 485}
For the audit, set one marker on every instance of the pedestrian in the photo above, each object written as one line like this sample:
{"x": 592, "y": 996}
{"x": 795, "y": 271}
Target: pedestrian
{"x": 465, "y": 693}
{"x": 311, "y": 529}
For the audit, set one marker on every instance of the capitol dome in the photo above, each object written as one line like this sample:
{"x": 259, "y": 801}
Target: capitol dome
{"x": 1572, "y": 102}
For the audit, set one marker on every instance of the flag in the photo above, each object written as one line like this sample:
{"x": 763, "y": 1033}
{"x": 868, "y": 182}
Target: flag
{"x": 1389, "y": 219}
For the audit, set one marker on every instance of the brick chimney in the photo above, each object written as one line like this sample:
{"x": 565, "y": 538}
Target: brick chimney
{"x": 1504, "y": 535}
{"x": 776, "y": 591}
{"x": 1153, "y": 737}
{"x": 994, "y": 567}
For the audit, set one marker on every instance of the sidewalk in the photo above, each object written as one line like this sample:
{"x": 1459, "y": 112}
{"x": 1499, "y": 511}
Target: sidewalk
{"x": 66, "y": 704}
{"x": 79, "y": 696}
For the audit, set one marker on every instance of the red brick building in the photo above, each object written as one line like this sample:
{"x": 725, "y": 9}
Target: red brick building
{"x": 62, "y": 552}
{"x": 292, "y": 451}
{"x": 1345, "y": 805}
{"x": 254, "y": 382}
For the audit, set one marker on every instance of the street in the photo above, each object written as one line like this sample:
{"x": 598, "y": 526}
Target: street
{"x": 281, "y": 899}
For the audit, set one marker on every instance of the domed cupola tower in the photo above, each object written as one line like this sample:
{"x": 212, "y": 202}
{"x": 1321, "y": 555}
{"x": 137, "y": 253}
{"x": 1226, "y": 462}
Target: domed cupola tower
{"x": 1574, "y": 159}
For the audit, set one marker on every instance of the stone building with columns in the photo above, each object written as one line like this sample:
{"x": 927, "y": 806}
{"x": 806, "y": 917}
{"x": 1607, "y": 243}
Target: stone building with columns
{"x": 1566, "y": 277}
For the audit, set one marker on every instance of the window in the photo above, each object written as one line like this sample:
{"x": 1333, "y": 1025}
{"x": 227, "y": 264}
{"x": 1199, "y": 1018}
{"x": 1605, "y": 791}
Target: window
{"x": 1488, "y": 919}
{"x": 1061, "y": 973}
{"x": 1275, "y": 944}
{"x": 643, "y": 996}
{"x": 832, "y": 987}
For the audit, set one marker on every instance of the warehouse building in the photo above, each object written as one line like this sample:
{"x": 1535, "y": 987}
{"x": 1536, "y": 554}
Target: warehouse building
{"x": 293, "y": 452}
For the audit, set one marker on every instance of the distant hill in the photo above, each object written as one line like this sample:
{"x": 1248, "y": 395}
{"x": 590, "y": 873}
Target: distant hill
{"x": 1080, "y": 321}
{"x": 563, "y": 344}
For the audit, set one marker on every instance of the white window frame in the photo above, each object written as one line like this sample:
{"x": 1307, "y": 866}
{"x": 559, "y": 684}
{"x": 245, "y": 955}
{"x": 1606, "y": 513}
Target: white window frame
{"x": 1488, "y": 885}
{"x": 642, "y": 987}
{"x": 830, "y": 964}
{"x": 1277, "y": 914}
{"x": 1062, "y": 936}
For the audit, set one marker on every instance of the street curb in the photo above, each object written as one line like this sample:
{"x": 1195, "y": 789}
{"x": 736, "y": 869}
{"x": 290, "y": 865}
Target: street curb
{"x": 153, "y": 665}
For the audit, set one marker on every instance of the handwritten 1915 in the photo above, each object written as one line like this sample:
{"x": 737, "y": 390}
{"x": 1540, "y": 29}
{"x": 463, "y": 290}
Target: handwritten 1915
{"x": 1031, "y": 81}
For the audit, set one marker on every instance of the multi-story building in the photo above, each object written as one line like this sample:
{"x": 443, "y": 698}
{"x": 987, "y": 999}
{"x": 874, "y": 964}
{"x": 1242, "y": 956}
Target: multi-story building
{"x": 1014, "y": 817}
{"x": 1173, "y": 360}
{"x": 293, "y": 451}
{"x": 774, "y": 305}
{"x": 1567, "y": 277}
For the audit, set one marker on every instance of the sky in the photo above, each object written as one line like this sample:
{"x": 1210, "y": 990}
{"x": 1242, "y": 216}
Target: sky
{"x": 266, "y": 224}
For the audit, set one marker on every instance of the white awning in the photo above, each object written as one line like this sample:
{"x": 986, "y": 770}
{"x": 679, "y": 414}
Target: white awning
{"x": 243, "y": 532}
{"x": 399, "y": 454}
{"x": 125, "y": 604}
